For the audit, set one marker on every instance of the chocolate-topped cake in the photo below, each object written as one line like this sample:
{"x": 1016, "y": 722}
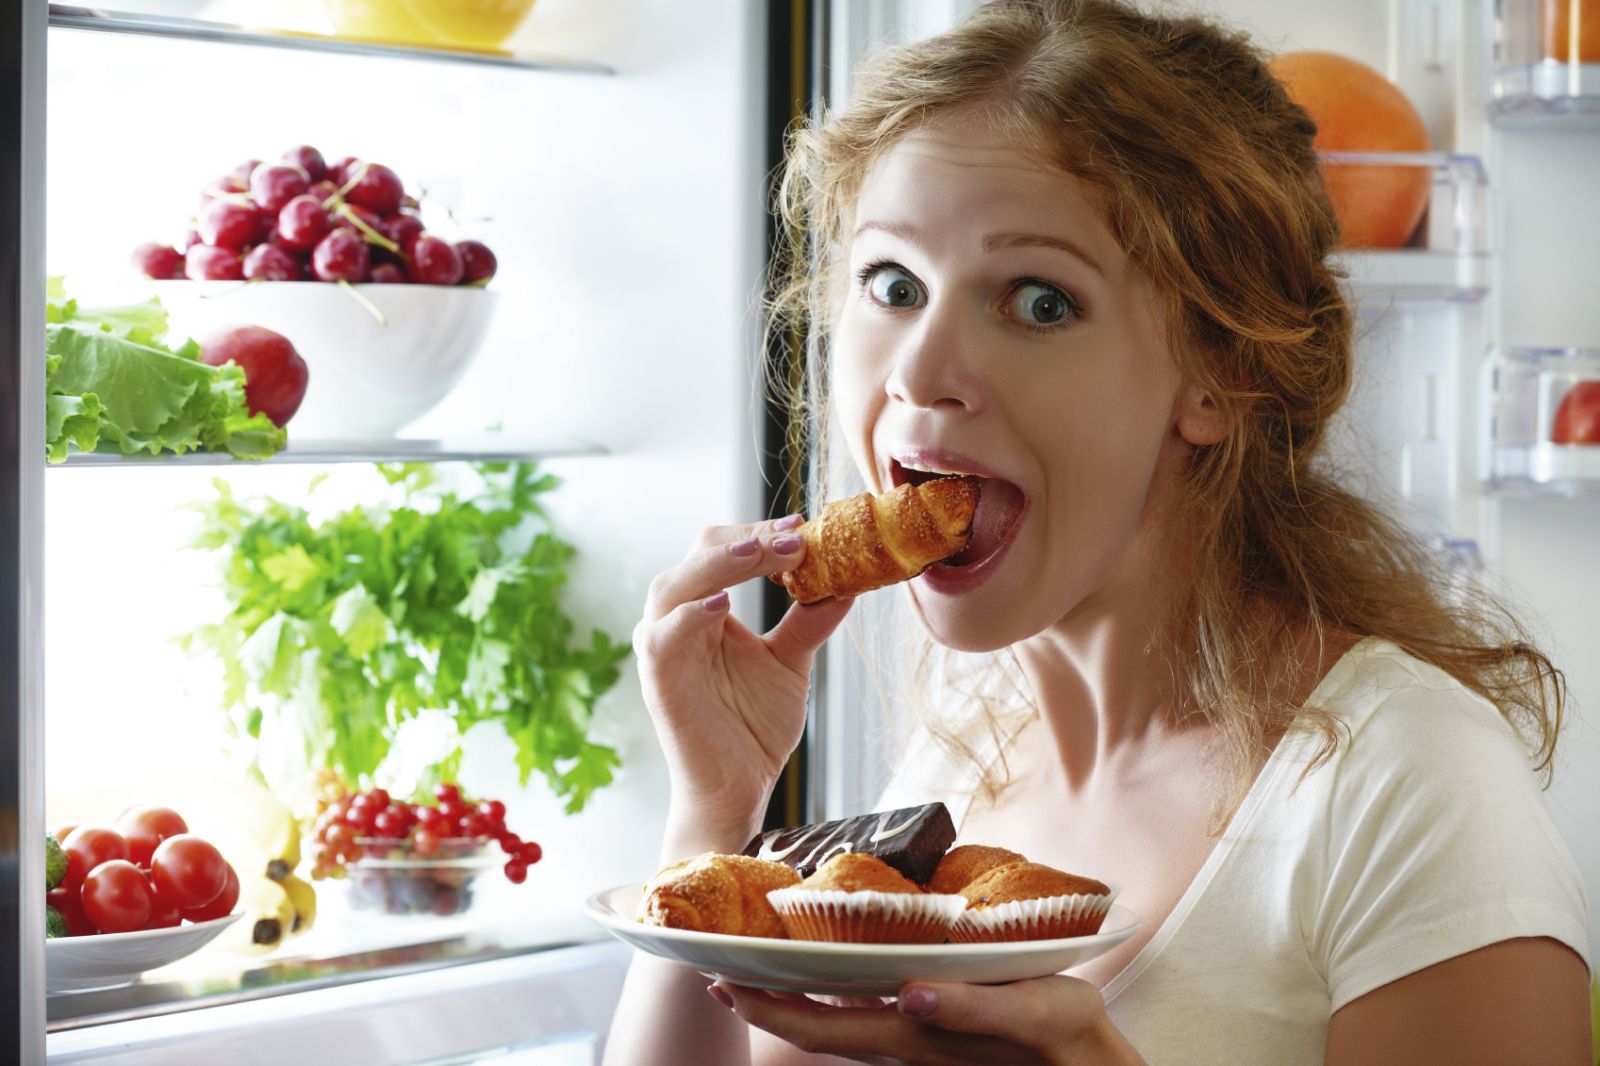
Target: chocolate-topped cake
{"x": 911, "y": 839}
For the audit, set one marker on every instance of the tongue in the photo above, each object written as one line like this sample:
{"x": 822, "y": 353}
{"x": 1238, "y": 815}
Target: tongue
{"x": 999, "y": 504}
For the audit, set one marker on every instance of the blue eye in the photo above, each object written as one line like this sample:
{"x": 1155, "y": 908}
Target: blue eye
{"x": 1043, "y": 305}
{"x": 893, "y": 287}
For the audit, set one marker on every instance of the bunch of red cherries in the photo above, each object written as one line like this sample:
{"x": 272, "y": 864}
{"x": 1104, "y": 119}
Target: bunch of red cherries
{"x": 304, "y": 218}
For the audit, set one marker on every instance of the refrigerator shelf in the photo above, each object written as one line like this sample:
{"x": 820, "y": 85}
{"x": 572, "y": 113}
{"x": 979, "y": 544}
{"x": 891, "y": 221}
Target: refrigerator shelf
{"x": 1544, "y": 424}
{"x": 1446, "y": 258}
{"x": 1546, "y": 70}
{"x": 394, "y": 450}
{"x": 70, "y": 16}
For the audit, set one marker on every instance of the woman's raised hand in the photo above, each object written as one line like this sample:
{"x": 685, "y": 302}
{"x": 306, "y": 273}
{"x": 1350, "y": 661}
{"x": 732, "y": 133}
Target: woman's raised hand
{"x": 729, "y": 704}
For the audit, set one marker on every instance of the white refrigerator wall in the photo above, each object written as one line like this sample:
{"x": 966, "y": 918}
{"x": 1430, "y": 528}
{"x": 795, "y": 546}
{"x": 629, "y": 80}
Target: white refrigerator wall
{"x": 627, "y": 215}
{"x": 1544, "y": 232}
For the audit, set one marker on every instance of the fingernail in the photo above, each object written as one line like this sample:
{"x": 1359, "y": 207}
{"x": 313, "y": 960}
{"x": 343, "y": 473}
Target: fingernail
{"x": 788, "y": 545}
{"x": 748, "y": 546}
{"x": 720, "y": 996}
{"x": 717, "y": 602}
{"x": 918, "y": 1000}
{"x": 788, "y": 521}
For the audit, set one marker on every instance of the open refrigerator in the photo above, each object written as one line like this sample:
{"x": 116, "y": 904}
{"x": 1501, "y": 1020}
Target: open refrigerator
{"x": 616, "y": 155}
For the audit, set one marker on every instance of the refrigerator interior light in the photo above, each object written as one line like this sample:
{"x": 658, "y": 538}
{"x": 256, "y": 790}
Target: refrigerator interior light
{"x": 1544, "y": 421}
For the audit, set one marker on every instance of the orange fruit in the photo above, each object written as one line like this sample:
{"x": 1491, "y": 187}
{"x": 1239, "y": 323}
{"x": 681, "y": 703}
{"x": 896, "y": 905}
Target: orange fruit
{"x": 1558, "y": 16}
{"x": 1356, "y": 109}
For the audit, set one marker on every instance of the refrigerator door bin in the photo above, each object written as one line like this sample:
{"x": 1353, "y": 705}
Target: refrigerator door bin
{"x": 1544, "y": 424}
{"x": 1546, "y": 63}
{"x": 1447, "y": 256}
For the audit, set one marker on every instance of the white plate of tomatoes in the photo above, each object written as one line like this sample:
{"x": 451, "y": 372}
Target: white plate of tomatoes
{"x": 134, "y": 897}
{"x": 103, "y": 960}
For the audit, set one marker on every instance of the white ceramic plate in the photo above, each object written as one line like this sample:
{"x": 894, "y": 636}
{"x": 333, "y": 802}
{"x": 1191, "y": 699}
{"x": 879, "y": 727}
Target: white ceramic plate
{"x": 850, "y": 969}
{"x": 109, "y": 959}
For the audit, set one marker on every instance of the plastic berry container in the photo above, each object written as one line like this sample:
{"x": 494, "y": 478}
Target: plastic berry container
{"x": 391, "y": 878}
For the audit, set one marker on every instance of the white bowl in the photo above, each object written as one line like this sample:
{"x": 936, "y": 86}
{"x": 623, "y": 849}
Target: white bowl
{"x": 109, "y": 959}
{"x": 368, "y": 378}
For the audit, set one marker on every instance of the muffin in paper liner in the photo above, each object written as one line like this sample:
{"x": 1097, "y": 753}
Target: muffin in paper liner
{"x": 865, "y": 917}
{"x": 1050, "y": 918}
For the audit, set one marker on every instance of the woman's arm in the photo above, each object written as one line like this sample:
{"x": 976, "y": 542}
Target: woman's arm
{"x": 1522, "y": 1001}
{"x": 665, "y": 1014}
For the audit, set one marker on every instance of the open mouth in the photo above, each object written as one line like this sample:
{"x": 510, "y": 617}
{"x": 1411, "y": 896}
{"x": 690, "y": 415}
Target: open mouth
{"x": 1000, "y": 505}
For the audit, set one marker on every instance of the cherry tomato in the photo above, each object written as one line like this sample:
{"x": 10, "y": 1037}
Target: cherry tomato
{"x": 146, "y": 827}
{"x": 116, "y": 897}
{"x": 188, "y": 870}
{"x": 64, "y": 831}
{"x": 87, "y": 847}
{"x": 164, "y": 913}
{"x": 69, "y": 904}
{"x": 220, "y": 907}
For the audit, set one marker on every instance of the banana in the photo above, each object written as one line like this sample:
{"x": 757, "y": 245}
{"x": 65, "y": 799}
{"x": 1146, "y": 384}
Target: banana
{"x": 269, "y": 916}
{"x": 304, "y": 898}
{"x": 256, "y": 833}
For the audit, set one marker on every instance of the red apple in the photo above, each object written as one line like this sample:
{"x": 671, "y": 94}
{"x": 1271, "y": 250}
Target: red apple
{"x": 1578, "y": 417}
{"x": 274, "y": 374}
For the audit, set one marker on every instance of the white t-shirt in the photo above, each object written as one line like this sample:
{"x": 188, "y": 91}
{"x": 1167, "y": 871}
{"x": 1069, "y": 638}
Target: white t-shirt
{"x": 1423, "y": 838}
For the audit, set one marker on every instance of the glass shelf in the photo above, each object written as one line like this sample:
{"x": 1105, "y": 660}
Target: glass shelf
{"x": 1546, "y": 64}
{"x": 89, "y": 18}
{"x": 397, "y": 450}
{"x": 1446, "y": 258}
{"x": 1544, "y": 428}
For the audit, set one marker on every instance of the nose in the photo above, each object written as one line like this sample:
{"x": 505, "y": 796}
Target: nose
{"x": 934, "y": 368}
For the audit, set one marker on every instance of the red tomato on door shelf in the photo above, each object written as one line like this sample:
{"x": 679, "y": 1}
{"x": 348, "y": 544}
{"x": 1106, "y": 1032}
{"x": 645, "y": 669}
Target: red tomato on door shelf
{"x": 1578, "y": 417}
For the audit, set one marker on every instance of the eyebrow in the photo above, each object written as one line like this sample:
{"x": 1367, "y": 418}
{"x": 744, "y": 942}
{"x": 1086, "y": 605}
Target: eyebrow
{"x": 995, "y": 241}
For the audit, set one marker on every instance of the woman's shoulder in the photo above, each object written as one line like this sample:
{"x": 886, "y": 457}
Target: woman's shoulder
{"x": 1387, "y": 704}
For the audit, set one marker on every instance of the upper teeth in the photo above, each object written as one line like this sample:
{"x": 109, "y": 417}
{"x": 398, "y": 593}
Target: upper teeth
{"x": 922, "y": 468}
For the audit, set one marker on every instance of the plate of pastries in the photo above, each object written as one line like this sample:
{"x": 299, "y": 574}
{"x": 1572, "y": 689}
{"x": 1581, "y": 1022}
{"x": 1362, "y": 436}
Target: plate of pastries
{"x": 861, "y": 905}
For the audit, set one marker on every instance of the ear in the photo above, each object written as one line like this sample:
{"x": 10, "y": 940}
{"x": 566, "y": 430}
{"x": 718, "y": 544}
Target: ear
{"x": 1200, "y": 420}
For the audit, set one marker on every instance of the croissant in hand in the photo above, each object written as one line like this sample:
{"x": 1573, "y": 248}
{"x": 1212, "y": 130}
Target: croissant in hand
{"x": 867, "y": 541}
{"x": 714, "y": 893}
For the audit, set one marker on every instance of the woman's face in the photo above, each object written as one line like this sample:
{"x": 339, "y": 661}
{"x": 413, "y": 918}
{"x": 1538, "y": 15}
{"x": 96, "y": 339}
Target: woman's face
{"x": 993, "y": 326}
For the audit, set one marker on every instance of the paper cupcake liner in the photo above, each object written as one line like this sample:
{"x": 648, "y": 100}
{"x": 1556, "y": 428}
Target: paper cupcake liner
{"x": 866, "y": 917}
{"x": 1050, "y": 918}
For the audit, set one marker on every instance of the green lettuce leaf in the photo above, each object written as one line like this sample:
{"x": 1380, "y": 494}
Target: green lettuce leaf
{"x": 112, "y": 385}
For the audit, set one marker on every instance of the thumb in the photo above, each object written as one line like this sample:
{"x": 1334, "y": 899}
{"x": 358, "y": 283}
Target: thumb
{"x": 1027, "y": 1012}
{"x": 798, "y": 635}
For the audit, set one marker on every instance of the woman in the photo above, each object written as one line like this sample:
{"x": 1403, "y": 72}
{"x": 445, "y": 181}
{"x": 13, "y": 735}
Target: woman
{"x": 1082, "y": 253}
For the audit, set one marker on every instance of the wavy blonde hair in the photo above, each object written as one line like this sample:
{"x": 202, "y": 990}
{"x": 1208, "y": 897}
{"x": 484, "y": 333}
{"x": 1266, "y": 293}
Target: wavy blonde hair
{"x": 1211, "y": 186}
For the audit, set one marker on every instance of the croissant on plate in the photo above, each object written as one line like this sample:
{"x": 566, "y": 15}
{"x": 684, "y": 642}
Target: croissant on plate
{"x": 714, "y": 893}
{"x": 867, "y": 541}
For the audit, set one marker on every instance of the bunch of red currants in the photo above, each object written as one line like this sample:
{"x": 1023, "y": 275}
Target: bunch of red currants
{"x": 357, "y": 821}
{"x": 304, "y": 218}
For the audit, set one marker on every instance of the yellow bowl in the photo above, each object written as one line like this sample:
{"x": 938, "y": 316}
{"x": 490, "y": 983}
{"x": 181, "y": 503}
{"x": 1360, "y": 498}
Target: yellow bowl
{"x": 376, "y": 20}
{"x": 480, "y": 24}
{"x": 469, "y": 23}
